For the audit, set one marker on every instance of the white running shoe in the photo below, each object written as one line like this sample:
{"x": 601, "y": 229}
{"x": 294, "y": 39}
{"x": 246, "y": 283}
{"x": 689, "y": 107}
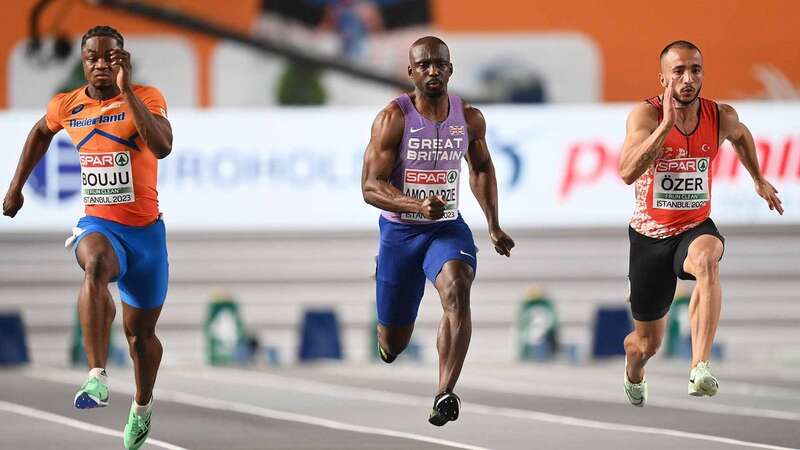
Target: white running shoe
{"x": 702, "y": 382}
{"x": 635, "y": 392}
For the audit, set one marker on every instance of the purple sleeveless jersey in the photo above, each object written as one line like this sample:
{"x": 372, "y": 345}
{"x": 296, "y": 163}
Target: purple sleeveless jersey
{"x": 429, "y": 159}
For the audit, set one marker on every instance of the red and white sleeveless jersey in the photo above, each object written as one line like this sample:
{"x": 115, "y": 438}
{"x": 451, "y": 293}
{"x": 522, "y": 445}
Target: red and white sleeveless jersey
{"x": 674, "y": 194}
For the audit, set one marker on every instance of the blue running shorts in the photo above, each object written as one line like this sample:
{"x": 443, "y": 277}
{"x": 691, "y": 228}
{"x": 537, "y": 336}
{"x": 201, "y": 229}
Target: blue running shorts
{"x": 142, "y": 255}
{"x": 410, "y": 253}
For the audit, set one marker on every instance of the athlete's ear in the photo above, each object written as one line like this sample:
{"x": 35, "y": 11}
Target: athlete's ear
{"x": 410, "y": 72}
{"x": 661, "y": 80}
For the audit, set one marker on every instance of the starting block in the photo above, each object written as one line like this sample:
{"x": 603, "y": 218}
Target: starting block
{"x": 13, "y": 345}
{"x": 611, "y": 325}
{"x": 320, "y": 336}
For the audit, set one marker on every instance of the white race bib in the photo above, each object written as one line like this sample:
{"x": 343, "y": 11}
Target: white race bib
{"x": 422, "y": 184}
{"x": 681, "y": 184}
{"x": 106, "y": 178}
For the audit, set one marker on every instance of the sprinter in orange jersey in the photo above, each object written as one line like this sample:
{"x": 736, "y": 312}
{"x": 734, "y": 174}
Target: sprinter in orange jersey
{"x": 120, "y": 130}
{"x": 670, "y": 144}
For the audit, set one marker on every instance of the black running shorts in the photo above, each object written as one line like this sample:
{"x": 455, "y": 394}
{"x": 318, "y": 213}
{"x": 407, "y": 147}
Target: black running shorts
{"x": 656, "y": 265}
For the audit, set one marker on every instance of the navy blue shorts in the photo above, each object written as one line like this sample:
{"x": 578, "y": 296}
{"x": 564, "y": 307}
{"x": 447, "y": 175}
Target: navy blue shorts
{"x": 410, "y": 253}
{"x": 142, "y": 256}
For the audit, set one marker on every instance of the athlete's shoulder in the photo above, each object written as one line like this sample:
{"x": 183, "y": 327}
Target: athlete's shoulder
{"x": 153, "y": 99}
{"x": 390, "y": 122}
{"x": 62, "y": 105}
{"x": 69, "y": 99}
{"x": 645, "y": 112}
{"x": 392, "y": 112}
{"x": 476, "y": 123}
{"x": 728, "y": 119}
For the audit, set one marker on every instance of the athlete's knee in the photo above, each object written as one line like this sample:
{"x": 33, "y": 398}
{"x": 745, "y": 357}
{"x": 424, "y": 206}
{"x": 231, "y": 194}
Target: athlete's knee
{"x": 142, "y": 341}
{"x": 649, "y": 346}
{"x": 393, "y": 342}
{"x": 643, "y": 345}
{"x": 455, "y": 295}
{"x": 705, "y": 264}
{"x": 99, "y": 267}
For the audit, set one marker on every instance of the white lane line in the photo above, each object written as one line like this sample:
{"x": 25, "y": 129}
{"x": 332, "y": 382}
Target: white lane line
{"x": 63, "y": 420}
{"x": 244, "y": 408}
{"x": 493, "y": 384}
{"x": 336, "y": 390}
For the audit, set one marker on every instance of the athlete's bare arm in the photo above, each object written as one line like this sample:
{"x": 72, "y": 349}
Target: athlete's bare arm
{"x": 739, "y": 135}
{"x": 154, "y": 130}
{"x": 482, "y": 178}
{"x": 644, "y": 141}
{"x": 379, "y": 160}
{"x": 35, "y": 147}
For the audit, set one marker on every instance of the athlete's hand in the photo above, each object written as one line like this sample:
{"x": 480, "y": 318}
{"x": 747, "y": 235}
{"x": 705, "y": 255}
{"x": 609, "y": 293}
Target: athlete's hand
{"x": 668, "y": 105}
{"x": 121, "y": 64}
{"x": 13, "y": 202}
{"x": 432, "y": 208}
{"x": 501, "y": 241}
{"x": 768, "y": 192}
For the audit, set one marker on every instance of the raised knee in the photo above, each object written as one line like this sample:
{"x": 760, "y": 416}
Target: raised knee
{"x": 456, "y": 295}
{"x": 98, "y": 268}
{"x": 706, "y": 264}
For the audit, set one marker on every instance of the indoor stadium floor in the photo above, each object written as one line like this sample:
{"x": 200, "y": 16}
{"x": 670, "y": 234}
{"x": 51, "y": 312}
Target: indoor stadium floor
{"x": 371, "y": 406}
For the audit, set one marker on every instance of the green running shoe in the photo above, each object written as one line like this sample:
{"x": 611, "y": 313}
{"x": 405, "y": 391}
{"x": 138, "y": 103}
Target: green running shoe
{"x": 702, "y": 382}
{"x": 137, "y": 429}
{"x": 93, "y": 394}
{"x": 636, "y": 392}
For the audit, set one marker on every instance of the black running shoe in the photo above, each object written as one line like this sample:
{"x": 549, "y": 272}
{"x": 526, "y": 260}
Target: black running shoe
{"x": 386, "y": 356}
{"x": 445, "y": 408}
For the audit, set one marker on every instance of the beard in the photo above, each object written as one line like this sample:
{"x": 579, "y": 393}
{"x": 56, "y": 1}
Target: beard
{"x": 687, "y": 102}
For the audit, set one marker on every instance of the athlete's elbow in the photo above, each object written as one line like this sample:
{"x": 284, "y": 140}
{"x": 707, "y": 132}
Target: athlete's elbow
{"x": 627, "y": 176}
{"x": 368, "y": 195}
{"x": 628, "y": 179}
{"x": 162, "y": 151}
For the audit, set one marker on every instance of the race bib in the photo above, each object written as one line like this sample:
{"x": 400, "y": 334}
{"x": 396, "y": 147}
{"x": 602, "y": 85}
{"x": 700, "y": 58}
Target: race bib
{"x": 422, "y": 184}
{"x": 681, "y": 184}
{"x": 106, "y": 178}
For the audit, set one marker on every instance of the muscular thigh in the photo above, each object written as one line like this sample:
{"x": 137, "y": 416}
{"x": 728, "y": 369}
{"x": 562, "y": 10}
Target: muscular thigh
{"x": 652, "y": 279}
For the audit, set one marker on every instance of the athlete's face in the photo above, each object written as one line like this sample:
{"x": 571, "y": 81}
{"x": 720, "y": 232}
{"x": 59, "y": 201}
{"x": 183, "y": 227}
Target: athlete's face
{"x": 96, "y": 57}
{"x": 430, "y": 68}
{"x": 685, "y": 67}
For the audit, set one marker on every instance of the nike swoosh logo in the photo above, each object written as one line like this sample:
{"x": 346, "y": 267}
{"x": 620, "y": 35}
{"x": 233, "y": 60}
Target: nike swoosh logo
{"x": 414, "y": 130}
{"x": 466, "y": 254}
{"x": 442, "y": 399}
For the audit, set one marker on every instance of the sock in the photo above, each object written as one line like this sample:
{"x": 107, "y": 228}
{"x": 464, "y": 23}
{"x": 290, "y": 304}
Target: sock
{"x": 142, "y": 410}
{"x": 100, "y": 374}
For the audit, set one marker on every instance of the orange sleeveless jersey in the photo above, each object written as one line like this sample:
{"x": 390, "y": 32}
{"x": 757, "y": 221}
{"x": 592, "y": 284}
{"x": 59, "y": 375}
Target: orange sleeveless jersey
{"x": 118, "y": 171}
{"x": 674, "y": 194}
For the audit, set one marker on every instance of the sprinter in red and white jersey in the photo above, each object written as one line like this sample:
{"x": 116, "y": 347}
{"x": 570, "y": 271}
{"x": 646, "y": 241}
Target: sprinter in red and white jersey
{"x": 670, "y": 144}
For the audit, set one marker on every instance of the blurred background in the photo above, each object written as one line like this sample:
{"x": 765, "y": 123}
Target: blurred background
{"x": 271, "y": 246}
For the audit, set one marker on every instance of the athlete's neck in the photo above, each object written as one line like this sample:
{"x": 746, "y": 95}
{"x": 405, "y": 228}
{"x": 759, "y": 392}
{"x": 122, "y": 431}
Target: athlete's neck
{"x": 102, "y": 93}
{"x": 686, "y": 111}
{"x": 435, "y": 109}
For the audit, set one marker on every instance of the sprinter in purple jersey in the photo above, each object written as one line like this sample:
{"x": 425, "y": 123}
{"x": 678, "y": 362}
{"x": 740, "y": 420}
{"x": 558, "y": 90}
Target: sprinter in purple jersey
{"x": 412, "y": 170}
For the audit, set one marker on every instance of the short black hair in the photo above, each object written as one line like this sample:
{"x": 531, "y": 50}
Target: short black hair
{"x": 103, "y": 30}
{"x": 678, "y": 44}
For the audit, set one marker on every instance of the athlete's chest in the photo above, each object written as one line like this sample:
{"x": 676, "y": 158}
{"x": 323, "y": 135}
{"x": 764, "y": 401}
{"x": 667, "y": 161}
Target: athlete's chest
{"x": 701, "y": 143}
{"x": 427, "y": 143}
{"x": 106, "y": 126}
